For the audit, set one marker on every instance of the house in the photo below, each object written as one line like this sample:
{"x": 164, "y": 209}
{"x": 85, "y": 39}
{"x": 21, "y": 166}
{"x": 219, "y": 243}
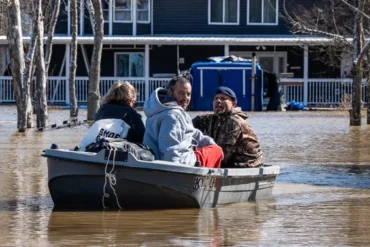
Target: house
{"x": 148, "y": 41}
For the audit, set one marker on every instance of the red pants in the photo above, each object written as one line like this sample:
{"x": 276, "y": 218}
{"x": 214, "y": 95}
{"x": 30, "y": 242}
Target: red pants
{"x": 209, "y": 156}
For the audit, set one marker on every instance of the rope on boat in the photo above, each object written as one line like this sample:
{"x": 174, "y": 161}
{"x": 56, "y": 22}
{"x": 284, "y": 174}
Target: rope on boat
{"x": 109, "y": 176}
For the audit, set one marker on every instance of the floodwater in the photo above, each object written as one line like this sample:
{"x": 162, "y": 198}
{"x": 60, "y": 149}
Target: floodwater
{"x": 321, "y": 198}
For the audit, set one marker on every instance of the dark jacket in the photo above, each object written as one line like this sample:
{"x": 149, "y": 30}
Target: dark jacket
{"x": 128, "y": 115}
{"x": 234, "y": 135}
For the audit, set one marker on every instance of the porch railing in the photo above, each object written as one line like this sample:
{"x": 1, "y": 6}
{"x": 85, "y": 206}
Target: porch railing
{"x": 321, "y": 92}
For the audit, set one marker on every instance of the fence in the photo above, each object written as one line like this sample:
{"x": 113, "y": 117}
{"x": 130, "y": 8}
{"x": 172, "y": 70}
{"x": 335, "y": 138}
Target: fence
{"x": 57, "y": 90}
{"x": 321, "y": 92}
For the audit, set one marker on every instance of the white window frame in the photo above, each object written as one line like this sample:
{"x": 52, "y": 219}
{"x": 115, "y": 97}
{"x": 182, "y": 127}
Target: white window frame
{"x": 149, "y": 11}
{"x": 260, "y": 54}
{"x": 129, "y": 53}
{"x": 263, "y": 23}
{"x": 114, "y": 13}
{"x": 223, "y": 15}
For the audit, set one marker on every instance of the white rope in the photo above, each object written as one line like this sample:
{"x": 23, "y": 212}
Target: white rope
{"x": 109, "y": 176}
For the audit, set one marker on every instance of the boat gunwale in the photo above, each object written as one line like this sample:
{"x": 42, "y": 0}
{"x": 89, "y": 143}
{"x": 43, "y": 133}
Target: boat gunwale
{"x": 174, "y": 168}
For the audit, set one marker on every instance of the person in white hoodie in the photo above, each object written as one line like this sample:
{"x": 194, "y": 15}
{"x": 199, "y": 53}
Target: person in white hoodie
{"x": 169, "y": 129}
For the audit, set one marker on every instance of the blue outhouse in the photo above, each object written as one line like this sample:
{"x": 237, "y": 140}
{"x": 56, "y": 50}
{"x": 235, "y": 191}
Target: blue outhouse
{"x": 232, "y": 72}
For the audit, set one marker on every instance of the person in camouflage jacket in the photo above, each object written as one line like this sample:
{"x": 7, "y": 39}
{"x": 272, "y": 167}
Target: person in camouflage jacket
{"x": 230, "y": 130}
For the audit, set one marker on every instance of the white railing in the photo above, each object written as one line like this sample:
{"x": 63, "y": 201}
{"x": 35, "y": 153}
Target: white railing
{"x": 320, "y": 92}
{"x": 57, "y": 90}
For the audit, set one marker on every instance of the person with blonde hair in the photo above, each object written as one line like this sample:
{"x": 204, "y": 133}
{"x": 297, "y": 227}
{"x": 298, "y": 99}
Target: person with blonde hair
{"x": 117, "y": 118}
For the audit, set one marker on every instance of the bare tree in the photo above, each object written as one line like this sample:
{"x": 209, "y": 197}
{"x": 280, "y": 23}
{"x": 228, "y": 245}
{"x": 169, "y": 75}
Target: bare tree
{"x": 73, "y": 63}
{"x": 17, "y": 65}
{"x": 55, "y": 5}
{"x": 90, "y": 9}
{"x": 40, "y": 101}
{"x": 94, "y": 75}
{"x": 345, "y": 25}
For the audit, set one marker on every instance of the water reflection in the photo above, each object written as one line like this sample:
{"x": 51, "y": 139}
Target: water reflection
{"x": 209, "y": 227}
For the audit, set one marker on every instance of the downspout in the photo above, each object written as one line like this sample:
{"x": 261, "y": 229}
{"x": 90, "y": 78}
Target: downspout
{"x": 151, "y": 17}
{"x": 134, "y": 17}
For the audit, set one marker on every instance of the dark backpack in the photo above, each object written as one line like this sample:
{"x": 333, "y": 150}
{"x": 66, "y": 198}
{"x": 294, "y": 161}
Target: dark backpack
{"x": 140, "y": 151}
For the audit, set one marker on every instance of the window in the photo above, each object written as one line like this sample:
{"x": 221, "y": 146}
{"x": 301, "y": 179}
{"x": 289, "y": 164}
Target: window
{"x": 262, "y": 12}
{"x": 143, "y": 10}
{"x": 122, "y": 11}
{"x": 129, "y": 64}
{"x": 105, "y": 7}
{"x": 223, "y": 12}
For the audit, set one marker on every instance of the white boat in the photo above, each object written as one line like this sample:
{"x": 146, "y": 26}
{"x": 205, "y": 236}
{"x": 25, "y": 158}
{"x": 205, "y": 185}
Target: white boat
{"x": 78, "y": 179}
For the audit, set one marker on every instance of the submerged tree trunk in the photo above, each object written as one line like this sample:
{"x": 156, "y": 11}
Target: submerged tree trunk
{"x": 29, "y": 64}
{"x": 355, "y": 112}
{"x": 94, "y": 76}
{"x": 73, "y": 63}
{"x": 357, "y": 68}
{"x": 49, "y": 42}
{"x": 40, "y": 101}
{"x": 17, "y": 64}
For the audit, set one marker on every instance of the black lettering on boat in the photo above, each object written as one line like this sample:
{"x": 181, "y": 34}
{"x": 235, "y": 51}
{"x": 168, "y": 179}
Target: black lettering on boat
{"x": 197, "y": 182}
{"x": 205, "y": 182}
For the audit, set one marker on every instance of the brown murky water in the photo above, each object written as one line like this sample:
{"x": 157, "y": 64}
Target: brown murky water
{"x": 321, "y": 198}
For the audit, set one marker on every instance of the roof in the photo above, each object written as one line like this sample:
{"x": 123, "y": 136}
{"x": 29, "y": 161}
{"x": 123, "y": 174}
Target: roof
{"x": 278, "y": 40}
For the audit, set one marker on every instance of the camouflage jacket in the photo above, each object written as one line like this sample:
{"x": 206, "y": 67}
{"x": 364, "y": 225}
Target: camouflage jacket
{"x": 234, "y": 135}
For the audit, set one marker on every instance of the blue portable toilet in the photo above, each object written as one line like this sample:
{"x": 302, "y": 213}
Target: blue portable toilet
{"x": 232, "y": 72}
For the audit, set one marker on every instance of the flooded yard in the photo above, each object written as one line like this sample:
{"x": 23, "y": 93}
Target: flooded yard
{"x": 321, "y": 198}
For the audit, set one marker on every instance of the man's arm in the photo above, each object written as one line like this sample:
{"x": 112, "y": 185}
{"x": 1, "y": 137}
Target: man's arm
{"x": 201, "y": 122}
{"x": 169, "y": 138}
{"x": 202, "y": 140}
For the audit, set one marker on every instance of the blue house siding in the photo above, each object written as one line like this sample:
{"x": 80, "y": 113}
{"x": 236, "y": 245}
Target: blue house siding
{"x": 191, "y": 17}
{"x": 143, "y": 29}
{"x": 122, "y": 28}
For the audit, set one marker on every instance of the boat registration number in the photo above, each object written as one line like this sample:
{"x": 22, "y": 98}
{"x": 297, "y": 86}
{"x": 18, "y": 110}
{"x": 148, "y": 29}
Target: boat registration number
{"x": 205, "y": 182}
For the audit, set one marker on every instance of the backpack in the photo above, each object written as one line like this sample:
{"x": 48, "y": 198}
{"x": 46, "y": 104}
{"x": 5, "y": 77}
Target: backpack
{"x": 140, "y": 151}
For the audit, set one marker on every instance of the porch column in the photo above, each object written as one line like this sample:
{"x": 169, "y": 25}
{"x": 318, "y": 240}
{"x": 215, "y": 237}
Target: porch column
{"x": 110, "y": 24}
{"x": 146, "y": 71}
{"x": 226, "y": 50}
{"x": 134, "y": 22}
{"x": 82, "y": 9}
{"x": 305, "y": 75}
{"x": 68, "y": 61}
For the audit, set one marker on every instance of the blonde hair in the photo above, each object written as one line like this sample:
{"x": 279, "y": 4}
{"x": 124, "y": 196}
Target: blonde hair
{"x": 120, "y": 91}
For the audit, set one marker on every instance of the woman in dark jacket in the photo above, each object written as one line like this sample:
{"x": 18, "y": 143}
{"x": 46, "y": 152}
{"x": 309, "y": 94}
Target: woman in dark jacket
{"x": 116, "y": 117}
{"x": 118, "y": 103}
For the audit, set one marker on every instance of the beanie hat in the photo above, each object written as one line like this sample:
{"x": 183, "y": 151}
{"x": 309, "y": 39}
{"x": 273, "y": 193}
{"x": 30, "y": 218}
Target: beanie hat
{"x": 226, "y": 91}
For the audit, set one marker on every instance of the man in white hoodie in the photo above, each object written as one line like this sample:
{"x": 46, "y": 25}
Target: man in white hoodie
{"x": 169, "y": 129}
